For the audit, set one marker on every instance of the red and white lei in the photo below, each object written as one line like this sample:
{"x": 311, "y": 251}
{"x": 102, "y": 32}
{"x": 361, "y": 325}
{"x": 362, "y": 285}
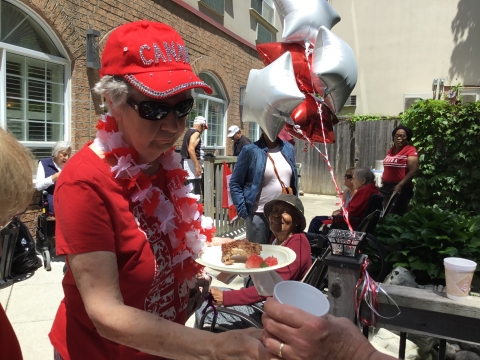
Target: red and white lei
{"x": 169, "y": 200}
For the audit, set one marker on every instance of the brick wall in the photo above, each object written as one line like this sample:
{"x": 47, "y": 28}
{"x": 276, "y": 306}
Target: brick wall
{"x": 210, "y": 49}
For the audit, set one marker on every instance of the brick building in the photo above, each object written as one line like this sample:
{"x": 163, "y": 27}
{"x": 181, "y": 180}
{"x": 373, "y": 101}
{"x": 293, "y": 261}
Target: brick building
{"x": 46, "y": 88}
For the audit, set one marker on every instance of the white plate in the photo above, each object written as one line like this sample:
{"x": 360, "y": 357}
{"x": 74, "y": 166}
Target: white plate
{"x": 212, "y": 258}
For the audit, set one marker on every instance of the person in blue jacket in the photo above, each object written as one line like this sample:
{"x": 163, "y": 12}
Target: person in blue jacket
{"x": 49, "y": 169}
{"x": 262, "y": 170}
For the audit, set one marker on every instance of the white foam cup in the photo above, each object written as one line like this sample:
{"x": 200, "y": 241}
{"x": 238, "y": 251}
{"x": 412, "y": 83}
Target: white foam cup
{"x": 302, "y": 296}
{"x": 458, "y": 277}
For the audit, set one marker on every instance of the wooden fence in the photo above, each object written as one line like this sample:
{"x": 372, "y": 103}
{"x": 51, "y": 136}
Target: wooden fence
{"x": 369, "y": 142}
{"x": 213, "y": 196}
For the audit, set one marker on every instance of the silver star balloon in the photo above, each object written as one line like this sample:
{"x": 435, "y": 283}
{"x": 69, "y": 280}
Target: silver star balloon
{"x": 271, "y": 96}
{"x": 302, "y": 18}
{"x": 334, "y": 69}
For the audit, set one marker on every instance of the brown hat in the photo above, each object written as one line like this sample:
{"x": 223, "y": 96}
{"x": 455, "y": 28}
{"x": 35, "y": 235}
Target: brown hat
{"x": 292, "y": 200}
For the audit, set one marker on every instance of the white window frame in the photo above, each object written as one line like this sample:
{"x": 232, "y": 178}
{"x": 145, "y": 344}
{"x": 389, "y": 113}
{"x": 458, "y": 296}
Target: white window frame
{"x": 220, "y": 147}
{"x": 256, "y": 128}
{"x": 4, "y": 48}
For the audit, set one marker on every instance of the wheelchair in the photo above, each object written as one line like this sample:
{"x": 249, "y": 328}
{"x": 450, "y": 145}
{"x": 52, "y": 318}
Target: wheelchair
{"x": 45, "y": 233}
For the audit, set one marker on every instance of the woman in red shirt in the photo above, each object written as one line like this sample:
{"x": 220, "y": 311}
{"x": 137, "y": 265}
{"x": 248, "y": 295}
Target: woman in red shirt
{"x": 399, "y": 168}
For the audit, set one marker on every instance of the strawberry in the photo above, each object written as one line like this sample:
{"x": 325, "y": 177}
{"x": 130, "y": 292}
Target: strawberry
{"x": 271, "y": 261}
{"x": 254, "y": 262}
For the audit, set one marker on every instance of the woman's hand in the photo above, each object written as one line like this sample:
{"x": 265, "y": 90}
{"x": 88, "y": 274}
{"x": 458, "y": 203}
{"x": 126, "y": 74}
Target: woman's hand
{"x": 217, "y": 295}
{"x": 240, "y": 345}
{"x": 398, "y": 188}
{"x": 55, "y": 176}
{"x": 305, "y": 336}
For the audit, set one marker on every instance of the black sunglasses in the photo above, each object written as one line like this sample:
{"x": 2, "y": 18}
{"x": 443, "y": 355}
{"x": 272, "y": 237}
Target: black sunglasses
{"x": 154, "y": 110}
{"x": 349, "y": 177}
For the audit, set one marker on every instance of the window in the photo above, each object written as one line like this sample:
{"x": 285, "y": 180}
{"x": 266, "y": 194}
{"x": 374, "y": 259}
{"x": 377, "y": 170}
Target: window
{"x": 32, "y": 104}
{"x": 253, "y": 131}
{"x": 410, "y": 99}
{"x": 213, "y": 108}
{"x": 217, "y": 6}
{"x": 263, "y": 34}
{"x": 265, "y": 8}
{"x": 351, "y": 101}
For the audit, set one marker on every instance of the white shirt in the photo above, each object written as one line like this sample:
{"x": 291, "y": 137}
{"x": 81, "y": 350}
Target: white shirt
{"x": 41, "y": 183}
{"x": 271, "y": 187}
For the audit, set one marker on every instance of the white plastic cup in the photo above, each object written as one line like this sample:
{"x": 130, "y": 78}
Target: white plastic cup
{"x": 302, "y": 296}
{"x": 458, "y": 277}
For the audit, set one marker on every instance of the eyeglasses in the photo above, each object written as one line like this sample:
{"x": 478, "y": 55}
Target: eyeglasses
{"x": 154, "y": 110}
{"x": 399, "y": 136}
{"x": 349, "y": 177}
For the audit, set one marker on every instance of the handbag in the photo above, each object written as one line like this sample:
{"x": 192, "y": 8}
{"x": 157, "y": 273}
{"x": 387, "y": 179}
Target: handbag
{"x": 285, "y": 189}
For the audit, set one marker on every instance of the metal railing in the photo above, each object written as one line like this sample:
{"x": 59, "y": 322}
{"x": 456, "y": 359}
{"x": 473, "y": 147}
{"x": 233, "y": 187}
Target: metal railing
{"x": 213, "y": 195}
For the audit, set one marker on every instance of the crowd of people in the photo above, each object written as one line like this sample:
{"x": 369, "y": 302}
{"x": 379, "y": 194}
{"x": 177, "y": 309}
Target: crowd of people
{"x": 130, "y": 231}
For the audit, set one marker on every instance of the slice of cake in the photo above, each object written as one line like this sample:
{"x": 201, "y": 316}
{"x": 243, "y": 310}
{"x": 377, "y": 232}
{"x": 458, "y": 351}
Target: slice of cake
{"x": 239, "y": 247}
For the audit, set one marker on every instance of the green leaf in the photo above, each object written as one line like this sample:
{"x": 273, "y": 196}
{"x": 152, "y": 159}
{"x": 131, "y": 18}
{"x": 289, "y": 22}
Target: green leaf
{"x": 410, "y": 236}
{"x": 451, "y": 251}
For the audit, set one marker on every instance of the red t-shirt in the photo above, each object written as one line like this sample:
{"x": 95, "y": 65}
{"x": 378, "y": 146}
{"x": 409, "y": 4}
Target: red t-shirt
{"x": 294, "y": 271}
{"x": 9, "y": 346}
{"x": 395, "y": 165}
{"x": 94, "y": 213}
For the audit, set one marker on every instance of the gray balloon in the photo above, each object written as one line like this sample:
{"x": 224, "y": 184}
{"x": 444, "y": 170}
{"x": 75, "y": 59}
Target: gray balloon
{"x": 271, "y": 96}
{"x": 301, "y": 19}
{"x": 334, "y": 69}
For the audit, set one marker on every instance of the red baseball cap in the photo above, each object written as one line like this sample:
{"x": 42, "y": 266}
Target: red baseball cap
{"x": 152, "y": 57}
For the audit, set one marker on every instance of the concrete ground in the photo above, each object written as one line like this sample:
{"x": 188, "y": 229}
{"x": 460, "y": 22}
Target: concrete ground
{"x": 32, "y": 301}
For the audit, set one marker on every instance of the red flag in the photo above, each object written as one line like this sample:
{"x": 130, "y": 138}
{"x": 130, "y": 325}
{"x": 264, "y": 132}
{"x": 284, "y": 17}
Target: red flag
{"x": 227, "y": 202}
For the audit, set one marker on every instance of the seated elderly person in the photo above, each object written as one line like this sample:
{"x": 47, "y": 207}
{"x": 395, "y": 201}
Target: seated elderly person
{"x": 49, "y": 169}
{"x": 287, "y": 222}
{"x": 364, "y": 186}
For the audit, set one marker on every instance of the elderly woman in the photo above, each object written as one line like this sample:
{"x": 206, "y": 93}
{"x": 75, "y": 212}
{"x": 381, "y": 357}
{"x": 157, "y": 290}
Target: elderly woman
{"x": 16, "y": 191}
{"x": 285, "y": 215}
{"x": 364, "y": 186}
{"x": 129, "y": 227}
{"x": 347, "y": 195}
{"x": 49, "y": 169}
{"x": 399, "y": 168}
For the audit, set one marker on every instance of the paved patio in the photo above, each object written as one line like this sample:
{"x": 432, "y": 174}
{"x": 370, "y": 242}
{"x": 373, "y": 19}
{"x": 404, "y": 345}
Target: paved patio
{"x": 32, "y": 301}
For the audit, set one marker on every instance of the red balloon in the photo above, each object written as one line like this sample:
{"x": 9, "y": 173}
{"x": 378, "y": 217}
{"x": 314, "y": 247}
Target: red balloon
{"x": 306, "y": 116}
{"x": 270, "y": 52}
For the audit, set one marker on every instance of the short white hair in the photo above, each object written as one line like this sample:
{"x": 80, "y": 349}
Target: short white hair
{"x": 60, "y": 146}
{"x": 116, "y": 88}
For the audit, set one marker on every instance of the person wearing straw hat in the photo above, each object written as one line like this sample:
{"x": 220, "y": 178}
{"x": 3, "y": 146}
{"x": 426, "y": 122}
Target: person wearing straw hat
{"x": 128, "y": 225}
{"x": 286, "y": 217}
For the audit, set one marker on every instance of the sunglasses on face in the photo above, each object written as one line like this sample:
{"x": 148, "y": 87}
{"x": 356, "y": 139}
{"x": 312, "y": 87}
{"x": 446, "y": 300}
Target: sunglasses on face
{"x": 154, "y": 110}
{"x": 349, "y": 177}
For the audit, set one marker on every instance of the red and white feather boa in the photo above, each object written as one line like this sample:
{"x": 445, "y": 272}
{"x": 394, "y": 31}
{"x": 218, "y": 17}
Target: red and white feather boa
{"x": 169, "y": 200}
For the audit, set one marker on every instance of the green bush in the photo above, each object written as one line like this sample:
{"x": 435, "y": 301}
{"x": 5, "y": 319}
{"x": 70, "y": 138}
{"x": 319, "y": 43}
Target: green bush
{"x": 447, "y": 138}
{"x": 422, "y": 238}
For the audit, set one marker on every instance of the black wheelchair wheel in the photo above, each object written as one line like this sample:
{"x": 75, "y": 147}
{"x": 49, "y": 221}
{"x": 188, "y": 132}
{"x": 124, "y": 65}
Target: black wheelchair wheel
{"x": 377, "y": 253}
